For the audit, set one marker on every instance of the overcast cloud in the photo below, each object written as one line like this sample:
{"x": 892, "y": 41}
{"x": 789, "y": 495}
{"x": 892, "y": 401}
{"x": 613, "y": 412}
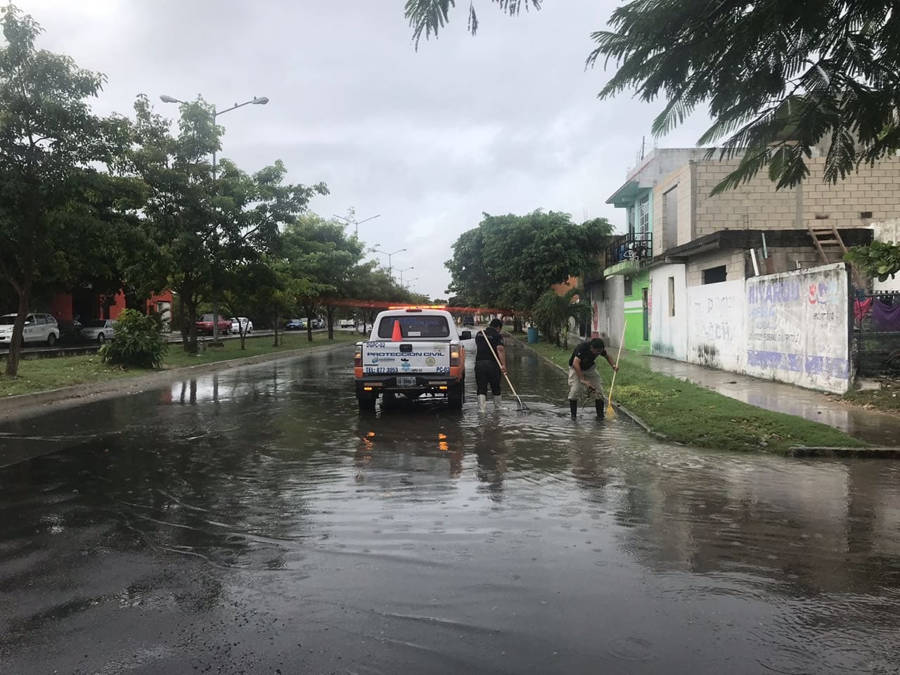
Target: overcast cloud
{"x": 506, "y": 122}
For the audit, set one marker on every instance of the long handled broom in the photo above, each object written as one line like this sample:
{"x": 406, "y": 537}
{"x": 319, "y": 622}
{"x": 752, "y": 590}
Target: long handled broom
{"x": 522, "y": 405}
{"x": 610, "y": 411}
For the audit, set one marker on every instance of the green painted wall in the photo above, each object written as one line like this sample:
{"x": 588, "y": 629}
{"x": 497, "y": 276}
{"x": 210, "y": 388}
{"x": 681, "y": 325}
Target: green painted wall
{"x": 635, "y": 313}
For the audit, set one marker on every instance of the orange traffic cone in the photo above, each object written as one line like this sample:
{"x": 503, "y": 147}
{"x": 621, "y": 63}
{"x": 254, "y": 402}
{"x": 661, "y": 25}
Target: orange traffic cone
{"x": 397, "y": 334}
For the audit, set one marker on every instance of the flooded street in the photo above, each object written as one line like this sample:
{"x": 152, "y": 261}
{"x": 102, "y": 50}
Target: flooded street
{"x": 253, "y": 521}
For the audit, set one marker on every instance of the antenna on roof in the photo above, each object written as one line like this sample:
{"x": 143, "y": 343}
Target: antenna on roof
{"x": 643, "y": 140}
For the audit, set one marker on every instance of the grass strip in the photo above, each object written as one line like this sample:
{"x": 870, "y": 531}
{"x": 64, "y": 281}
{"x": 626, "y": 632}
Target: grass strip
{"x": 45, "y": 374}
{"x": 690, "y": 414}
{"x": 886, "y": 399}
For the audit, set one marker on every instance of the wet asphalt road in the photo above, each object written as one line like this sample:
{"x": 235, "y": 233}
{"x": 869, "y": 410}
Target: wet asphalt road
{"x": 252, "y": 521}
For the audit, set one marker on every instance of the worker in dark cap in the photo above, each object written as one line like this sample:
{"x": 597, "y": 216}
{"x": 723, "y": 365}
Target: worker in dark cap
{"x": 490, "y": 362}
{"x": 583, "y": 375}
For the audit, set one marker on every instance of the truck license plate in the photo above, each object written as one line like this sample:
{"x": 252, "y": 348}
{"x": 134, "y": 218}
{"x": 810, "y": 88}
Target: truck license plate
{"x": 406, "y": 382}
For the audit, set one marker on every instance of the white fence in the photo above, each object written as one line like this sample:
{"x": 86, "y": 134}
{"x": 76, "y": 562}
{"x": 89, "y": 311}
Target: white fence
{"x": 792, "y": 327}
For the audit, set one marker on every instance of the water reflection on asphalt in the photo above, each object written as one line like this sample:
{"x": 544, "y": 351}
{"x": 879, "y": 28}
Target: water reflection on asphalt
{"x": 254, "y": 521}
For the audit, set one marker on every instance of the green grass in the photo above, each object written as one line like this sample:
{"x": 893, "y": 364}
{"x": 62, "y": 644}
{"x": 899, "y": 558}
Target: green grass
{"x": 690, "y": 414}
{"x": 36, "y": 375}
{"x": 887, "y": 398}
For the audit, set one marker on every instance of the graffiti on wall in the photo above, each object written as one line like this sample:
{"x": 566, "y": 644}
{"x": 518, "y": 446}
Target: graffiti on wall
{"x": 797, "y": 327}
{"x": 715, "y": 315}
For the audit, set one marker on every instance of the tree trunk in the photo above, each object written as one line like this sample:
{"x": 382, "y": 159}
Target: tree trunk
{"x": 189, "y": 324}
{"x": 15, "y": 345}
{"x": 133, "y": 300}
{"x": 275, "y": 329}
{"x": 309, "y": 319}
{"x": 242, "y": 331}
{"x": 329, "y": 313}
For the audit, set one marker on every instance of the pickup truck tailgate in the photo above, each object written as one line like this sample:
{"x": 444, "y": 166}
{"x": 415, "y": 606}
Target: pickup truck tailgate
{"x": 379, "y": 358}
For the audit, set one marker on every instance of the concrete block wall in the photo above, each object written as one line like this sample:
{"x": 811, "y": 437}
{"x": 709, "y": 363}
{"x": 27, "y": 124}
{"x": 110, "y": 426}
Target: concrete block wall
{"x": 682, "y": 181}
{"x": 754, "y": 205}
{"x": 734, "y": 261}
{"x": 758, "y": 205}
{"x": 871, "y": 189}
{"x": 785, "y": 259}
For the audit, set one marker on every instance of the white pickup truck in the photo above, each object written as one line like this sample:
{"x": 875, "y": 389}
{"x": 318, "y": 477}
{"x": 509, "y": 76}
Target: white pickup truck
{"x": 411, "y": 352}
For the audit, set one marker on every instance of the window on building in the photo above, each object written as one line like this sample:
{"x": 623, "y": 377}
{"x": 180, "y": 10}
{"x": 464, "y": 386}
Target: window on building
{"x": 644, "y": 215}
{"x": 629, "y": 214}
{"x": 671, "y": 296}
{"x": 628, "y": 289}
{"x": 714, "y": 275}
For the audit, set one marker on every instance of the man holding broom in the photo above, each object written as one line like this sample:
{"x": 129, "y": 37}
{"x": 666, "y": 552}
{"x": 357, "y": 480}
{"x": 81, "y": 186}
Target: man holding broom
{"x": 582, "y": 374}
{"x": 489, "y": 365}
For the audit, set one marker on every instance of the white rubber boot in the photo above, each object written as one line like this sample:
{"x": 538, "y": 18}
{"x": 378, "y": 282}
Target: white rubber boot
{"x": 482, "y": 402}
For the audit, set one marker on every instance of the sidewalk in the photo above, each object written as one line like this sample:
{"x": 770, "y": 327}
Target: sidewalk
{"x": 872, "y": 426}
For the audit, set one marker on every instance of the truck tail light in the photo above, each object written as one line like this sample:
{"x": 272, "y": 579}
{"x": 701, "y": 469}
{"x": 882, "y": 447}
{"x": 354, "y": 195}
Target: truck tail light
{"x": 454, "y": 355}
{"x": 357, "y": 357}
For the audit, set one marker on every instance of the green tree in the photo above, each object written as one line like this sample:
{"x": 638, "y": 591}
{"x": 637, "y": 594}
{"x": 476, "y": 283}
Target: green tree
{"x": 552, "y": 313}
{"x": 321, "y": 258}
{"x": 779, "y": 77}
{"x": 371, "y": 283}
{"x": 205, "y": 224}
{"x": 53, "y": 196}
{"x": 509, "y": 261}
{"x": 879, "y": 259}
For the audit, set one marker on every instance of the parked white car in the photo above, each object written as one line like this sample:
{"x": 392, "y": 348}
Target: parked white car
{"x": 346, "y": 323}
{"x": 98, "y": 330}
{"x": 241, "y": 324}
{"x": 38, "y": 328}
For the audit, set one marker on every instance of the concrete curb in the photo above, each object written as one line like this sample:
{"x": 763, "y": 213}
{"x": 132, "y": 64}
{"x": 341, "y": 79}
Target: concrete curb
{"x": 825, "y": 451}
{"x": 795, "y": 451}
{"x": 29, "y": 405}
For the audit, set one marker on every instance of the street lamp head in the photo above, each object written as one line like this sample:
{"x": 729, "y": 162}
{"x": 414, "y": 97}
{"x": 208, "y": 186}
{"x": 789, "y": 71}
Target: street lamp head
{"x": 260, "y": 100}
{"x": 165, "y": 98}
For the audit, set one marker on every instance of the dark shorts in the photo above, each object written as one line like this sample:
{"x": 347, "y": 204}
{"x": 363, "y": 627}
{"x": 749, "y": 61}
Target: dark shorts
{"x": 487, "y": 373}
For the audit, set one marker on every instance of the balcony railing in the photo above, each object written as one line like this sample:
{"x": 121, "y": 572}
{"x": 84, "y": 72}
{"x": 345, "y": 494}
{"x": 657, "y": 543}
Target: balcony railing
{"x": 636, "y": 246}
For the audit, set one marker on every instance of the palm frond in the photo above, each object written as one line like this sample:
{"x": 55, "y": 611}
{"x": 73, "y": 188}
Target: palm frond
{"x": 428, "y": 17}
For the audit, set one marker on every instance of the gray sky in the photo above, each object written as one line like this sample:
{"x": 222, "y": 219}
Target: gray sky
{"x": 505, "y": 122}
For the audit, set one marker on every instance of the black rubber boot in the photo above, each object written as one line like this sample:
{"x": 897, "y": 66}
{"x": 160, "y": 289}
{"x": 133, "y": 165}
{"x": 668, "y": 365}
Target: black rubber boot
{"x": 573, "y": 408}
{"x": 601, "y": 408}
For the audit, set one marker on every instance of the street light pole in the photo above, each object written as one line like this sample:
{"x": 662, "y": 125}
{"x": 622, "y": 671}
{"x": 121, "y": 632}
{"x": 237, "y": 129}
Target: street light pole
{"x": 356, "y": 223}
{"x": 389, "y": 255}
{"x": 405, "y": 269}
{"x": 256, "y": 100}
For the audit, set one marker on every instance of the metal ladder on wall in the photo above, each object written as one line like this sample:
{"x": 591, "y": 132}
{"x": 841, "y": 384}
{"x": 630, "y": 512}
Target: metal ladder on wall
{"x": 828, "y": 240}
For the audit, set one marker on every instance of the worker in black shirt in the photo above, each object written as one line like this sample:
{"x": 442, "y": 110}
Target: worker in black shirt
{"x": 583, "y": 374}
{"x": 487, "y": 370}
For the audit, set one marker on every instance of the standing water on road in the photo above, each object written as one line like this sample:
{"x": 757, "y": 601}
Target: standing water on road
{"x": 254, "y": 521}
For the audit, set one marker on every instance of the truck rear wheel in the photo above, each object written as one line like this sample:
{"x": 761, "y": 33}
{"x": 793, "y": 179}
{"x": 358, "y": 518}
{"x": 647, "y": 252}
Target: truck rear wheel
{"x": 456, "y": 396}
{"x": 366, "y": 402}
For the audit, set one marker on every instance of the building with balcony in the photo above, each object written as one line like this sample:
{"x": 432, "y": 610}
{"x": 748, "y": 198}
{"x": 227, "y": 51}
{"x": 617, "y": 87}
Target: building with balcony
{"x": 680, "y": 280}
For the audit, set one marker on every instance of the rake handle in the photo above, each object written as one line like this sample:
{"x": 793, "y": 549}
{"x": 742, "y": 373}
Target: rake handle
{"x": 616, "y": 371}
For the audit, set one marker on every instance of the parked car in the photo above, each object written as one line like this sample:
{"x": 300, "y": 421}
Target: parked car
{"x": 347, "y": 323}
{"x": 205, "y": 325}
{"x": 38, "y": 328}
{"x": 98, "y": 330}
{"x": 241, "y": 324}
{"x": 295, "y": 324}
{"x": 318, "y": 323}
